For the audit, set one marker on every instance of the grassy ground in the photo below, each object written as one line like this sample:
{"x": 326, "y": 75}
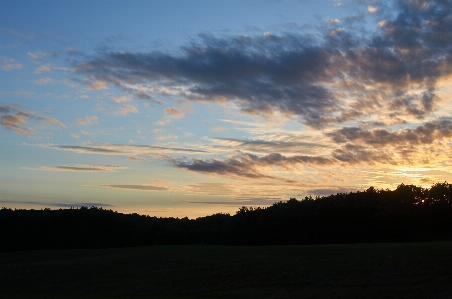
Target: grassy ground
{"x": 420, "y": 270}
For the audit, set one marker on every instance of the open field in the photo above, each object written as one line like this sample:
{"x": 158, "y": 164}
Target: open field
{"x": 411, "y": 270}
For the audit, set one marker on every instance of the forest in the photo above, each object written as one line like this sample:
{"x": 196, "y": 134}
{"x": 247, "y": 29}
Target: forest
{"x": 407, "y": 214}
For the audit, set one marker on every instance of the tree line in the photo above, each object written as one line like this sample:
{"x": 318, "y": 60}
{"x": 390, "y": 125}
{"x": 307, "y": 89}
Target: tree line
{"x": 407, "y": 214}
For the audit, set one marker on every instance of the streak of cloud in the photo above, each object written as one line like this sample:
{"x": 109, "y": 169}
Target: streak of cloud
{"x": 423, "y": 134}
{"x": 81, "y": 168}
{"x": 135, "y": 187}
{"x": 248, "y": 165}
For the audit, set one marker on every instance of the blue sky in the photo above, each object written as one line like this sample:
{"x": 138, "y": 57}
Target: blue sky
{"x": 189, "y": 108}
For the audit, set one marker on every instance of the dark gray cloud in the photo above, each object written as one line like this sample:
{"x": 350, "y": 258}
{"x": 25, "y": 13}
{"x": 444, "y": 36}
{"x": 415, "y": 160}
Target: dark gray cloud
{"x": 247, "y": 165}
{"x": 260, "y": 73}
{"x": 355, "y": 154}
{"x": 5, "y": 109}
{"x": 424, "y": 134}
{"x": 236, "y": 167}
{"x": 293, "y": 73}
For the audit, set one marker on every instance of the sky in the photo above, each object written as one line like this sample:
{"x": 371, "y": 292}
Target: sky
{"x": 190, "y": 108}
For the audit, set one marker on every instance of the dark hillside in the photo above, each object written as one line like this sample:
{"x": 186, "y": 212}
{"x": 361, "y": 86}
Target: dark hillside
{"x": 407, "y": 214}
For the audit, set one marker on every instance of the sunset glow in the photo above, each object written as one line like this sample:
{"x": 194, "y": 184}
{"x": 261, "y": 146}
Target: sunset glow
{"x": 189, "y": 108}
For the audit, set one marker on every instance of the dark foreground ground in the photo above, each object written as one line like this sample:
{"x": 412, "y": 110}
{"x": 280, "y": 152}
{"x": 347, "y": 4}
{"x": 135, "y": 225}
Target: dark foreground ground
{"x": 415, "y": 270}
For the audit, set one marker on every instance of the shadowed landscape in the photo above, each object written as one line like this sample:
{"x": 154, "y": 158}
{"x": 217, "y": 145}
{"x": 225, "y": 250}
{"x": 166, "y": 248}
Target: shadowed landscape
{"x": 409, "y": 270}
{"x": 70, "y": 253}
{"x": 406, "y": 214}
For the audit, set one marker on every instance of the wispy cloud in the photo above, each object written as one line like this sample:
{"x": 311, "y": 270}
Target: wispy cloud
{"x": 248, "y": 165}
{"x": 43, "y": 81}
{"x": 80, "y": 168}
{"x": 16, "y": 123}
{"x": 219, "y": 128}
{"x": 37, "y": 55}
{"x": 51, "y": 120}
{"x": 21, "y": 34}
{"x": 10, "y": 64}
{"x": 174, "y": 112}
{"x": 17, "y": 120}
{"x": 125, "y": 109}
{"x": 165, "y": 137}
{"x": 87, "y": 120}
{"x": 134, "y": 187}
{"x": 125, "y": 150}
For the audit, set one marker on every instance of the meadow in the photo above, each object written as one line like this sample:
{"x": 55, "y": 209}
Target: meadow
{"x": 380, "y": 270}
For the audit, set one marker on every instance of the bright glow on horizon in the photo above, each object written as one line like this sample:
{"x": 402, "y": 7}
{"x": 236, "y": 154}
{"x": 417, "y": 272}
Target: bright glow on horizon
{"x": 176, "y": 109}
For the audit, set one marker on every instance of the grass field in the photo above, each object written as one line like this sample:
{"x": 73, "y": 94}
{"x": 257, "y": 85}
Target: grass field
{"x": 414, "y": 270}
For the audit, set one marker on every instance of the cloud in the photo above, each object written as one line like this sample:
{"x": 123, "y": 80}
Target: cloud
{"x": 247, "y": 165}
{"x": 314, "y": 79}
{"x": 9, "y": 65}
{"x": 281, "y": 144}
{"x": 332, "y": 21}
{"x": 37, "y": 55}
{"x": 74, "y": 135}
{"x": 418, "y": 106}
{"x": 423, "y": 134}
{"x": 165, "y": 137}
{"x": 232, "y": 167}
{"x": 49, "y": 68}
{"x": 88, "y": 120}
{"x": 174, "y": 112}
{"x": 145, "y": 96}
{"x": 125, "y": 109}
{"x": 51, "y": 120}
{"x": 43, "y": 81}
{"x": 118, "y": 100}
{"x": 219, "y": 128}
{"x": 135, "y": 187}
{"x": 16, "y": 123}
{"x": 43, "y": 68}
{"x": 21, "y": 34}
{"x": 97, "y": 85}
{"x": 372, "y": 9}
{"x": 257, "y": 82}
{"x": 5, "y": 109}
{"x": 82, "y": 168}
{"x": 355, "y": 154}
{"x": 159, "y": 123}
{"x": 125, "y": 150}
